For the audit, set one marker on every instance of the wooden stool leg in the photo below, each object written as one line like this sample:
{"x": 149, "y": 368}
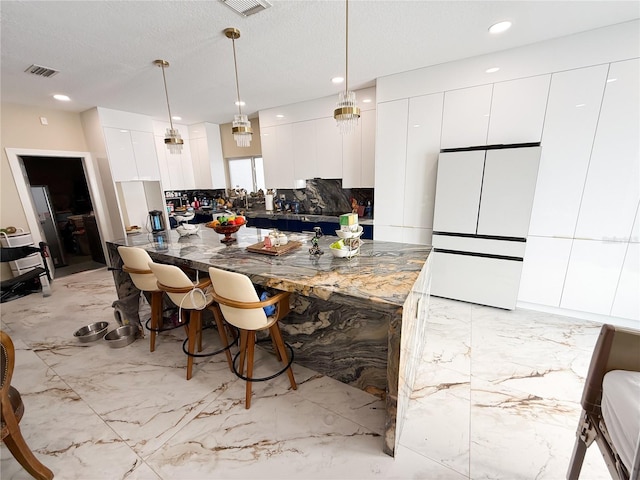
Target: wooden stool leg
{"x": 23, "y": 454}
{"x": 184, "y": 319}
{"x": 243, "y": 350}
{"x": 217, "y": 314}
{"x": 156, "y": 318}
{"x": 251, "y": 339}
{"x": 276, "y": 350}
{"x": 277, "y": 336}
{"x": 194, "y": 328}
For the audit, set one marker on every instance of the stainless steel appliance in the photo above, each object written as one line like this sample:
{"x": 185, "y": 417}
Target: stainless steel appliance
{"x": 47, "y": 217}
{"x": 156, "y": 218}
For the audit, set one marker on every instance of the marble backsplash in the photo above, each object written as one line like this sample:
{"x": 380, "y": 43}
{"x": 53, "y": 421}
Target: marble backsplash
{"x": 326, "y": 196}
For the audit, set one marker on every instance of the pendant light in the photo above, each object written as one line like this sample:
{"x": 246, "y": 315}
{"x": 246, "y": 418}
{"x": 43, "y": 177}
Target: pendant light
{"x": 346, "y": 112}
{"x": 172, "y": 138}
{"x": 241, "y": 127}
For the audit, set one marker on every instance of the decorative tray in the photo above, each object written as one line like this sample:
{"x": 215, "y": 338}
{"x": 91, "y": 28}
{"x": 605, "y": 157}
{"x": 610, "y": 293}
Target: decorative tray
{"x": 282, "y": 249}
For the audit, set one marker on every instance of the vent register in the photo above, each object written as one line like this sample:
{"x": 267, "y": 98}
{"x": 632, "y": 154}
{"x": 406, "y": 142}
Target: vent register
{"x": 247, "y": 7}
{"x": 41, "y": 71}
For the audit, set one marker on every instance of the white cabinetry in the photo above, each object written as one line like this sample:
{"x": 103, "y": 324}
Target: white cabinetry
{"x": 358, "y": 153}
{"x": 176, "y": 169}
{"x": 132, "y": 155}
{"x": 517, "y": 110}
{"x": 483, "y": 204}
{"x": 206, "y": 155}
{"x": 277, "y": 152}
{"x": 614, "y": 167}
{"x": 627, "y": 301}
{"x": 570, "y": 124}
{"x": 305, "y": 154}
{"x": 465, "y": 120}
{"x": 391, "y": 154}
{"x": 329, "y": 148}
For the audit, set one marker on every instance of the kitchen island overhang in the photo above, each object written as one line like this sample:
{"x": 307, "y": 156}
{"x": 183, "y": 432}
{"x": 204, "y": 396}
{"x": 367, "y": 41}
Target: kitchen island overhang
{"x": 360, "y": 321}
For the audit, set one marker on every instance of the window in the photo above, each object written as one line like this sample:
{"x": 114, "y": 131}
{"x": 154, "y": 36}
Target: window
{"x": 247, "y": 173}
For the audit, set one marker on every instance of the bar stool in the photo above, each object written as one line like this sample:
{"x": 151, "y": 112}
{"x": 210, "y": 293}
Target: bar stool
{"x": 136, "y": 264}
{"x": 241, "y": 307}
{"x": 193, "y": 298}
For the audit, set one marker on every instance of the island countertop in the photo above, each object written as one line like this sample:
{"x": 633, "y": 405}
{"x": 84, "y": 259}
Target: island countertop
{"x": 360, "y": 320}
{"x": 383, "y": 272}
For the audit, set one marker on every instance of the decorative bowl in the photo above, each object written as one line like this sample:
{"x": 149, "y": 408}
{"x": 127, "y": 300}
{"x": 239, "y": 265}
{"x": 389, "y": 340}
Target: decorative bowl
{"x": 91, "y": 332}
{"x": 187, "y": 229}
{"x": 355, "y": 234}
{"x": 340, "y": 250}
{"x": 121, "y": 336}
{"x": 227, "y": 230}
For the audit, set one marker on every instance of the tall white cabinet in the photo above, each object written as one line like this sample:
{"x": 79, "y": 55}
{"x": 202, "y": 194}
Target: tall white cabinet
{"x": 481, "y": 221}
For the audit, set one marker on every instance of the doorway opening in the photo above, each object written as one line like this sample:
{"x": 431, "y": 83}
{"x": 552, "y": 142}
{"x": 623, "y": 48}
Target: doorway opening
{"x": 61, "y": 198}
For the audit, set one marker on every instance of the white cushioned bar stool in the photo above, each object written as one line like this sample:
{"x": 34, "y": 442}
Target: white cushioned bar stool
{"x": 136, "y": 263}
{"x": 192, "y": 297}
{"x": 239, "y": 303}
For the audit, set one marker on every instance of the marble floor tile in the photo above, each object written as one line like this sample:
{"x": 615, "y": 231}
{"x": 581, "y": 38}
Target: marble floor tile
{"x": 496, "y": 397}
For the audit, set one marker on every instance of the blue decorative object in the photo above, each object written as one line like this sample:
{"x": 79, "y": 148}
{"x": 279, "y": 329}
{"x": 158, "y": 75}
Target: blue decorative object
{"x": 269, "y": 309}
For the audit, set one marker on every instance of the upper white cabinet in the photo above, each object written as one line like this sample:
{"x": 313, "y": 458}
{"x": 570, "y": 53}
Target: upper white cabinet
{"x": 132, "y": 155}
{"x": 508, "y": 187}
{"x": 626, "y": 303}
{"x": 206, "y": 155}
{"x": 517, "y": 110}
{"x": 329, "y": 148}
{"x": 391, "y": 154}
{"x": 423, "y": 147}
{"x": 305, "y": 154}
{"x": 277, "y": 154}
{"x": 570, "y": 124}
{"x": 176, "y": 169}
{"x": 358, "y": 153}
{"x": 465, "y": 120}
{"x": 458, "y": 194}
{"x": 612, "y": 189}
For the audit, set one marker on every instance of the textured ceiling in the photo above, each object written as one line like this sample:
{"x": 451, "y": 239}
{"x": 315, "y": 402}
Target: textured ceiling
{"x": 288, "y": 53}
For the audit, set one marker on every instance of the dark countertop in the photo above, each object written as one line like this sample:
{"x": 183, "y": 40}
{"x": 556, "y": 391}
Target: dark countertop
{"x": 383, "y": 272}
{"x": 305, "y": 217}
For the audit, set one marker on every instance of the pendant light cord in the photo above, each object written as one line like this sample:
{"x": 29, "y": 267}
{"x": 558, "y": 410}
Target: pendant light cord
{"x": 166, "y": 93}
{"x": 346, "y": 69}
{"x": 235, "y": 66}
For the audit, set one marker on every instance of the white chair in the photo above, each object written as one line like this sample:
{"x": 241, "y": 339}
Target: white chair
{"x": 136, "y": 263}
{"x": 194, "y": 298}
{"x": 241, "y": 307}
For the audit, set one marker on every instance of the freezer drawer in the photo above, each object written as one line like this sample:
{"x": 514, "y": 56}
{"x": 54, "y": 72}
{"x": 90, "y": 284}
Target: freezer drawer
{"x": 477, "y": 279}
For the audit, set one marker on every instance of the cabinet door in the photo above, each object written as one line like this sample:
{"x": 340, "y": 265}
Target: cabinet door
{"x": 121, "y": 157}
{"x": 329, "y": 142}
{"x": 352, "y": 158}
{"x": 612, "y": 189}
{"x": 305, "y": 164}
{"x": 144, "y": 150}
{"x": 458, "y": 185}
{"x": 391, "y": 155}
{"x": 626, "y": 303}
{"x": 465, "y": 119}
{"x": 367, "y": 170}
{"x": 423, "y": 147}
{"x": 188, "y": 178}
{"x": 569, "y": 126}
{"x": 507, "y": 191}
{"x": 517, "y": 110}
{"x": 201, "y": 164}
{"x": 284, "y": 145}
{"x": 269, "y": 155}
{"x": 165, "y": 174}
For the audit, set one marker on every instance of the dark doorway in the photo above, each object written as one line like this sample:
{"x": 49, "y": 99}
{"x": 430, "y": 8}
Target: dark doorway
{"x": 61, "y": 181}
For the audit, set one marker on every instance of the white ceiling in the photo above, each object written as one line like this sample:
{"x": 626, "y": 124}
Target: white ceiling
{"x": 288, "y": 53}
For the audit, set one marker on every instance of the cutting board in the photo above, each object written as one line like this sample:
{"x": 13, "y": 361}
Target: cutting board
{"x": 260, "y": 248}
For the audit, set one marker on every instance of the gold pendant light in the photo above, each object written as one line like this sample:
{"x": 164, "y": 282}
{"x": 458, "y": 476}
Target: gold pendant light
{"x": 347, "y": 112}
{"x": 241, "y": 126}
{"x": 172, "y": 138}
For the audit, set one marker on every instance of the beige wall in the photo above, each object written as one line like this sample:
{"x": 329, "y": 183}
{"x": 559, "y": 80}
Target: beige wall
{"x": 229, "y": 147}
{"x": 21, "y": 128}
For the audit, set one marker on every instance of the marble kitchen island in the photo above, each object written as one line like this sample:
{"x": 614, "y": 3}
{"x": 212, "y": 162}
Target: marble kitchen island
{"x": 360, "y": 321}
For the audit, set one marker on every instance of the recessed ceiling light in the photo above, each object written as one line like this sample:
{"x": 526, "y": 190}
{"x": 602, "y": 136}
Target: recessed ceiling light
{"x": 580, "y": 105}
{"x": 175, "y": 117}
{"x": 366, "y": 100}
{"x": 492, "y": 70}
{"x": 240, "y": 103}
{"x": 279, "y": 116}
{"x": 500, "y": 27}
{"x": 416, "y": 125}
{"x": 609, "y": 80}
{"x": 124, "y": 131}
{"x": 337, "y": 79}
{"x": 62, "y": 98}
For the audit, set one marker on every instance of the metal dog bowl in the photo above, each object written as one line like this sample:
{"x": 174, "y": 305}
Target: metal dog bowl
{"x": 121, "y": 336}
{"x": 92, "y": 332}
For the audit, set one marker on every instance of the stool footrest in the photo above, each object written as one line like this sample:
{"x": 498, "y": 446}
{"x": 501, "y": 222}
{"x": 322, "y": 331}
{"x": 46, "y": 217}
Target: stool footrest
{"x": 199, "y": 355}
{"x": 264, "y": 379}
{"x": 163, "y": 329}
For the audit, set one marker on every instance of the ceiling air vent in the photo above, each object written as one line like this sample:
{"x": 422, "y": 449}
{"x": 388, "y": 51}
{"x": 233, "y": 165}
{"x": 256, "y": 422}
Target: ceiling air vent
{"x": 41, "y": 71}
{"x": 247, "y": 7}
